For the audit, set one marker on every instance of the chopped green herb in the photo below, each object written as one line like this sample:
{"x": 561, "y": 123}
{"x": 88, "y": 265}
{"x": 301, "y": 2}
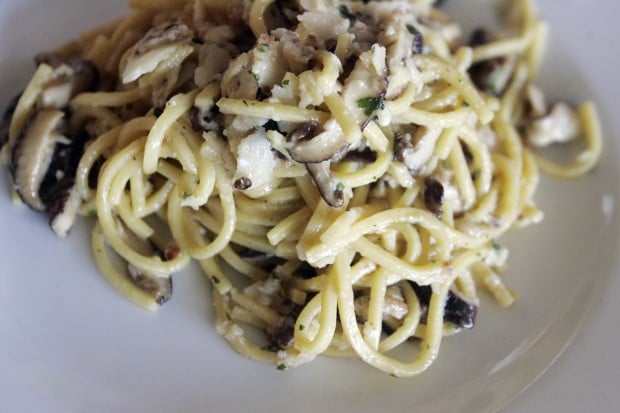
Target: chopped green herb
{"x": 496, "y": 247}
{"x": 411, "y": 29}
{"x": 272, "y": 348}
{"x": 491, "y": 85}
{"x": 256, "y": 77}
{"x": 281, "y": 366}
{"x": 370, "y": 104}
{"x": 262, "y": 47}
{"x": 286, "y": 82}
{"x": 92, "y": 211}
{"x": 215, "y": 279}
{"x": 465, "y": 104}
{"x": 393, "y": 375}
{"x": 346, "y": 13}
{"x": 228, "y": 317}
{"x": 186, "y": 195}
{"x": 302, "y": 327}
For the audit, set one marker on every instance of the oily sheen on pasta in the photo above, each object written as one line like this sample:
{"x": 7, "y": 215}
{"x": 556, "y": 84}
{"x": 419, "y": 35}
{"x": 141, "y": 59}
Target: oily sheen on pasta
{"x": 341, "y": 171}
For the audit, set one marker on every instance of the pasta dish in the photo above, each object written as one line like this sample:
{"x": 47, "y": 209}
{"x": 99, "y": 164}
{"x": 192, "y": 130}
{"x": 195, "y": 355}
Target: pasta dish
{"x": 341, "y": 171}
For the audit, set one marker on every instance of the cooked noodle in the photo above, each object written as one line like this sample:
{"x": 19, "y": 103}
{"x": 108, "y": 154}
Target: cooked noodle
{"x": 340, "y": 170}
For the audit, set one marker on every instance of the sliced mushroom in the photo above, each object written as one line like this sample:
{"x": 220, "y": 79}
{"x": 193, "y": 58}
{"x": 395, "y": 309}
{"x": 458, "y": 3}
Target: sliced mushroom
{"x": 363, "y": 156}
{"x": 157, "y": 45}
{"x": 306, "y": 145}
{"x": 260, "y": 259}
{"x": 330, "y": 188}
{"x": 491, "y": 76}
{"x": 238, "y": 81}
{"x": 63, "y": 218}
{"x": 458, "y": 310}
{"x": 71, "y": 76}
{"x": 58, "y": 191}
{"x": 415, "y": 156}
{"x": 433, "y": 195}
{"x": 33, "y": 152}
{"x": 44, "y": 157}
{"x": 284, "y": 334}
{"x": 158, "y": 285}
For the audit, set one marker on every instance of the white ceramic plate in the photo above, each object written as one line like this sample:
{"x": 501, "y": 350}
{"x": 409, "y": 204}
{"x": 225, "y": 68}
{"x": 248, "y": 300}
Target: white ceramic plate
{"x": 69, "y": 343}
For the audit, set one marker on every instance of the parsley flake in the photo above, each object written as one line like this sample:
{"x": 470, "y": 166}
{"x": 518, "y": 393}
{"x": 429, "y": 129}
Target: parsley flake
{"x": 271, "y": 348}
{"x": 281, "y": 367}
{"x": 346, "y": 13}
{"x": 370, "y": 104}
{"x": 411, "y": 29}
{"x": 496, "y": 247}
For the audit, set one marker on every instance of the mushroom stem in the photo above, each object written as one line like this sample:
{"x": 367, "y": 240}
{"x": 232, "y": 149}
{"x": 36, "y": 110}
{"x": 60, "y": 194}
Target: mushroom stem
{"x": 331, "y": 189}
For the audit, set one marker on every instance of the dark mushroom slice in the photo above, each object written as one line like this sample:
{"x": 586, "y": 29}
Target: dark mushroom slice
{"x": 242, "y": 183}
{"x": 72, "y": 75}
{"x": 311, "y": 143}
{"x": 415, "y": 151}
{"x": 433, "y": 195}
{"x": 281, "y": 13}
{"x": 491, "y": 76}
{"x": 458, "y": 310}
{"x": 284, "y": 333}
{"x": 33, "y": 153}
{"x": 156, "y": 45}
{"x": 62, "y": 219}
{"x": 57, "y": 191}
{"x": 363, "y": 156}
{"x": 330, "y": 188}
{"x": 158, "y": 285}
{"x": 204, "y": 120}
{"x": 260, "y": 259}
{"x": 403, "y": 149}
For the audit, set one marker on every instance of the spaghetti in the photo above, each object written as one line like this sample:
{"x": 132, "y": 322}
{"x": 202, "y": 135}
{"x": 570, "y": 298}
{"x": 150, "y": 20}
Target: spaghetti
{"x": 340, "y": 170}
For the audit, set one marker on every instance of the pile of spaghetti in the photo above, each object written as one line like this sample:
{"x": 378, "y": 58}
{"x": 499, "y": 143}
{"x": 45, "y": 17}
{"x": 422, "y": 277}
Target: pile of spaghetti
{"x": 341, "y": 170}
